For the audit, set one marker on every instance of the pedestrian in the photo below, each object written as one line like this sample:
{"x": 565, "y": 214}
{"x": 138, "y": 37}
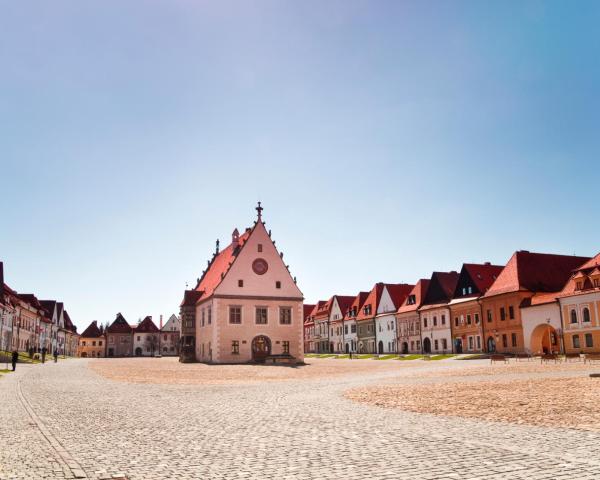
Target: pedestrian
{"x": 55, "y": 356}
{"x": 44, "y": 355}
{"x": 350, "y": 355}
{"x": 15, "y": 358}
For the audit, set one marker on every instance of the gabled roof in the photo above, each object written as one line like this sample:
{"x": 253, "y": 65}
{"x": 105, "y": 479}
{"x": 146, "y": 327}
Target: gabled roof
{"x": 119, "y": 325}
{"x": 344, "y": 302}
{"x": 373, "y": 299}
{"x": 480, "y": 276}
{"x": 92, "y": 331}
{"x": 147, "y": 326}
{"x": 398, "y": 293}
{"x": 190, "y": 298}
{"x": 419, "y": 291}
{"x": 68, "y": 323}
{"x": 441, "y": 288}
{"x": 535, "y": 272}
{"x": 220, "y": 265}
{"x": 357, "y": 303}
{"x": 322, "y": 309}
{"x": 587, "y": 268}
{"x": 307, "y": 308}
{"x": 49, "y": 306}
{"x": 31, "y": 299}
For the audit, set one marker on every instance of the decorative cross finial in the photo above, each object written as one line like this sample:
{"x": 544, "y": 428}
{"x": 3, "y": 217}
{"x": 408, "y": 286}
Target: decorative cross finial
{"x": 259, "y": 209}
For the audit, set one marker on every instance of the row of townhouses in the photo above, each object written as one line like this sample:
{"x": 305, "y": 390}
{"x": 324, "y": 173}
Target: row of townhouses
{"x": 536, "y": 303}
{"x": 30, "y": 325}
{"x": 120, "y": 339}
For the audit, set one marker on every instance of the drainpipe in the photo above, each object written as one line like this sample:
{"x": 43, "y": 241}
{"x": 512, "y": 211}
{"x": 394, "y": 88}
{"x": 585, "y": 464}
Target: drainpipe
{"x": 483, "y": 345}
{"x": 375, "y": 348}
{"x": 562, "y": 329}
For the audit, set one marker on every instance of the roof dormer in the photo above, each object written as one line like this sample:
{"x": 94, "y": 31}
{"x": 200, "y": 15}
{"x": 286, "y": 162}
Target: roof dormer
{"x": 595, "y": 277}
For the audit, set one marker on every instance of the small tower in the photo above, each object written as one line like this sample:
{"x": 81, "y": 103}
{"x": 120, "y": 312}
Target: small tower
{"x": 235, "y": 239}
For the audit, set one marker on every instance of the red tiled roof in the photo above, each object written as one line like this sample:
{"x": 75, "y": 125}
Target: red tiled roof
{"x": 441, "y": 288}
{"x": 398, "y": 293}
{"x": 31, "y": 299}
{"x": 190, "y": 298}
{"x": 319, "y": 306}
{"x": 68, "y": 323}
{"x": 373, "y": 299}
{"x": 92, "y": 331}
{"x": 535, "y": 272}
{"x": 119, "y": 325}
{"x": 220, "y": 265}
{"x": 307, "y": 308}
{"x": 582, "y": 271}
{"x": 146, "y": 326}
{"x": 344, "y": 302}
{"x": 357, "y": 303}
{"x": 483, "y": 275}
{"x": 540, "y": 299}
{"x": 419, "y": 291}
{"x": 49, "y": 306}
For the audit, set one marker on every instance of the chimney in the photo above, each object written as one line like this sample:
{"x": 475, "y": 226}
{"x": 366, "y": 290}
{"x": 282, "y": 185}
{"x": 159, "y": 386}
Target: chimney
{"x": 487, "y": 263}
{"x": 161, "y": 324}
{"x": 235, "y": 239}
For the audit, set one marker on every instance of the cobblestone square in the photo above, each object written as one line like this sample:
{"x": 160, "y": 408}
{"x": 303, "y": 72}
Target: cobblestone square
{"x": 156, "y": 419}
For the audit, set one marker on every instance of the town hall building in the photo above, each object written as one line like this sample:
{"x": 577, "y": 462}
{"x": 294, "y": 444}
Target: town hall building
{"x": 246, "y": 306}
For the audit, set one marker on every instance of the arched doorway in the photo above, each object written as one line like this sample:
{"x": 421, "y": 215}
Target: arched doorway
{"x": 84, "y": 354}
{"x": 261, "y": 348}
{"x": 458, "y": 345}
{"x": 427, "y": 345}
{"x": 491, "y": 345}
{"x": 404, "y": 347}
{"x": 380, "y": 347}
{"x": 138, "y": 352}
{"x": 544, "y": 339}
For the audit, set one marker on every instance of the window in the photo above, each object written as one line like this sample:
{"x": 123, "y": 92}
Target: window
{"x": 470, "y": 343}
{"x": 511, "y": 312}
{"x": 504, "y": 340}
{"x": 586, "y": 314}
{"x": 575, "y": 340}
{"x": 202, "y": 317}
{"x": 478, "y": 342}
{"x": 83, "y": 343}
{"x": 261, "y": 315}
{"x": 277, "y": 284}
{"x": 240, "y": 283}
{"x": 589, "y": 341}
{"x": 435, "y": 343}
{"x": 286, "y": 347}
{"x": 573, "y": 316}
{"x": 456, "y": 321}
{"x": 464, "y": 291}
{"x": 434, "y": 321}
{"x": 353, "y": 328}
{"x": 444, "y": 344}
{"x": 285, "y": 315}
{"x": 235, "y": 315}
{"x": 94, "y": 343}
{"x": 578, "y": 285}
{"x": 502, "y": 313}
{"x": 513, "y": 338}
{"x": 138, "y": 338}
{"x": 111, "y": 339}
{"x": 468, "y": 319}
{"x": 260, "y": 247}
{"x": 596, "y": 282}
{"x": 209, "y": 315}
{"x": 412, "y": 299}
{"x": 489, "y": 315}
{"x": 235, "y": 347}
{"x": 443, "y": 319}
{"x": 100, "y": 343}
{"x": 476, "y": 319}
{"x": 345, "y": 329}
{"x": 425, "y": 322}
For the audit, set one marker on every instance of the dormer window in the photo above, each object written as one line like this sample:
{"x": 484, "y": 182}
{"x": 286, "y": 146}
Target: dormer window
{"x": 260, "y": 247}
{"x": 464, "y": 291}
{"x": 470, "y": 290}
{"x": 578, "y": 285}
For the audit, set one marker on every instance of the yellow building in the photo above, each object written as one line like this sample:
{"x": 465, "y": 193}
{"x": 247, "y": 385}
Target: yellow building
{"x": 92, "y": 342}
{"x": 580, "y": 309}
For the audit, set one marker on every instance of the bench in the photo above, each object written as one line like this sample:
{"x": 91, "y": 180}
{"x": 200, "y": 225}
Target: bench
{"x": 280, "y": 359}
{"x": 572, "y": 357}
{"x": 549, "y": 357}
{"x": 496, "y": 357}
{"x": 591, "y": 357}
{"x": 523, "y": 356}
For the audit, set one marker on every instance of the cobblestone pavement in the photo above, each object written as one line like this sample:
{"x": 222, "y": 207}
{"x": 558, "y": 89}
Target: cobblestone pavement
{"x": 65, "y": 421}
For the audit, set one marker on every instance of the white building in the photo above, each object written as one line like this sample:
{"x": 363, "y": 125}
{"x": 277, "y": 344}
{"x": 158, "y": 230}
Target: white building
{"x": 145, "y": 338}
{"x": 169, "y": 336}
{"x": 392, "y": 296}
{"x": 350, "y": 339}
{"x": 339, "y": 307}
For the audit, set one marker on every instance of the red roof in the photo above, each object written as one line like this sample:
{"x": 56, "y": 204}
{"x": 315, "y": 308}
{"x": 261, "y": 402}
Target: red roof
{"x": 190, "y": 298}
{"x": 146, "y": 326}
{"x": 307, "y": 309}
{"x": 479, "y": 276}
{"x": 581, "y": 274}
{"x": 398, "y": 293}
{"x": 92, "y": 331}
{"x": 419, "y": 291}
{"x": 374, "y": 297}
{"x": 441, "y": 288}
{"x": 535, "y": 272}
{"x": 119, "y": 325}
{"x": 357, "y": 303}
{"x": 220, "y": 265}
{"x": 344, "y": 302}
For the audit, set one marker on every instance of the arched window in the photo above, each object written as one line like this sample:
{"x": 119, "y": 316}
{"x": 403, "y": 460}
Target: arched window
{"x": 573, "y": 316}
{"x": 586, "y": 314}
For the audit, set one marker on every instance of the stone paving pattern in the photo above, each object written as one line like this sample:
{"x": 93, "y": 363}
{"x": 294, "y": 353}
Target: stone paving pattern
{"x": 273, "y": 430}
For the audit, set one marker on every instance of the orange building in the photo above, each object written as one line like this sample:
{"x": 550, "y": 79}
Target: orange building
{"x": 92, "y": 342}
{"x": 465, "y": 309}
{"x": 580, "y": 309}
{"x": 524, "y": 275}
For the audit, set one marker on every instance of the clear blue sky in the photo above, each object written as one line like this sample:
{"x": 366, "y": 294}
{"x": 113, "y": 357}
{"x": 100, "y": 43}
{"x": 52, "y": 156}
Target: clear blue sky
{"x": 385, "y": 139}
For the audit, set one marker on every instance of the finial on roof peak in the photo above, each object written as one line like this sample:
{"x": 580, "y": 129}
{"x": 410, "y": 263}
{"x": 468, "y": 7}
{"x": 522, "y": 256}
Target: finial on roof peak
{"x": 259, "y": 209}
{"x": 217, "y": 245}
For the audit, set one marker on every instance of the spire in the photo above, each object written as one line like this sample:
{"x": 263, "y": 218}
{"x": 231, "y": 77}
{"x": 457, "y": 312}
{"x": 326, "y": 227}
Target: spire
{"x": 259, "y": 209}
